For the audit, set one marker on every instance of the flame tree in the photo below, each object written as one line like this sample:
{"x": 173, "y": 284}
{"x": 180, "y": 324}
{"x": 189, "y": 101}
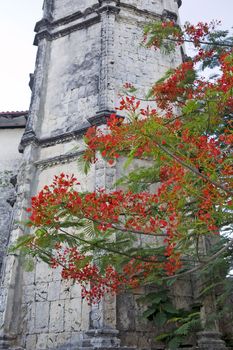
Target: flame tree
{"x": 151, "y": 231}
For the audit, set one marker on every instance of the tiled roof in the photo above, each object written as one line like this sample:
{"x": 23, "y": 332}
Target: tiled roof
{"x": 13, "y": 119}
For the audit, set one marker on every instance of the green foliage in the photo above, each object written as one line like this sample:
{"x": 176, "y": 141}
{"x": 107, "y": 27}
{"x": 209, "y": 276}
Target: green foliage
{"x": 161, "y": 34}
{"x": 161, "y": 311}
{"x": 217, "y": 40}
{"x": 118, "y": 244}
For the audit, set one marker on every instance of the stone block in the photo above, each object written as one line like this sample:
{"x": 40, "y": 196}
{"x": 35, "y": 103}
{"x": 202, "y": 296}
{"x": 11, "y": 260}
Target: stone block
{"x": 65, "y": 289}
{"x": 41, "y": 291}
{"x": 52, "y": 340}
{"x": 56, "y": 320}
{"x": 42, "y": 341}
{"x": 73, "y": 314}
{"x": 41, "y": 316}
{"x": 75, "y": 291}
{"x": 54, "y": 290}
{"x": 56, "y": 273}
{"x": 76, "y": 339}
{"x": 63, "y": 340}
{"x": 28, "y": 278}
{"x": 31, "y": 341}
{"x": 210, "y": 340}
{"x": 125, "y": 312}
{"x": 43, "y": 272}
{"x": 85, "y": 315}
{"x": 31, "y": 317}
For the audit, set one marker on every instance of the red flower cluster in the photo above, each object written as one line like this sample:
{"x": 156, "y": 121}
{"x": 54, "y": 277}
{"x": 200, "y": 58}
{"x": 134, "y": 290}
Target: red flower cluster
{"x": 199, "y": 32}
{"x": 76, "y": 266}
{"x": 186, "y": 185}
{"x": 176, "y": 88}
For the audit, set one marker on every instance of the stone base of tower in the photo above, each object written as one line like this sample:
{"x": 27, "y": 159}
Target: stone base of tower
{"x": 99, "y": 338}
{"x": 6, "y": 343}
{"x": 107, "y": 339}
{"x": 210, "y": 340}
{"x": 102, "y": 339}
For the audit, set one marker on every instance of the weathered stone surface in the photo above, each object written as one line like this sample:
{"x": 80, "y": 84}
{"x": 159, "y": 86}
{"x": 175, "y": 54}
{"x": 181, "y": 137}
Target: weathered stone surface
{"x": 41, "y": 317}
{"x": 87, "y": 49}
{"x": 210, "y": 340}
{"x": 56, "y": 320}
{"x": 73, "y": 314}
{"x": 64, "y": 8}
{"x": 43, "y": 273}
{"x": 9, "y": 163}
{"x": 54, "y": 290}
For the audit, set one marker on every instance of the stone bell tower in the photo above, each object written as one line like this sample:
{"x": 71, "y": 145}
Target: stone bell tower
{"x": 87, "y": 49}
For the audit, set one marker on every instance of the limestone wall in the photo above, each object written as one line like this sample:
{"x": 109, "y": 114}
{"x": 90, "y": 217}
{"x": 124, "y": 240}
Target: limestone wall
{"x": 64, "y": 8}
{"x": 134, "y": 63}
{"x": 54, "y": 312}
{"x": 9, "y": 164}
{"x": 71, "y": 94}
{"x": 82, "y": 63}
{"x": 83, "y": 75}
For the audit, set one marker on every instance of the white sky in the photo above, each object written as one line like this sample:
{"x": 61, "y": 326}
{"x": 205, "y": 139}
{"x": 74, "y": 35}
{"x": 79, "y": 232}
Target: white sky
{"x": 17, "y": 55}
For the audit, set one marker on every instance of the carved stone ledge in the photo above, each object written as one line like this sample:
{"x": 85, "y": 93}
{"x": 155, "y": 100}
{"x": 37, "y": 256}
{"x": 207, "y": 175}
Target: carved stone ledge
{"x": 61, "y": 138}
{"x": 100, "y": 117}
{"x": 66, "y": 158}
{"x": 102, "y": 339}
{"x": 47, "y": 34}
{"x": 30, "y": 137}
{"x": 52, "y": 140}
{"x": 45, "y": 27}
{"x": 109, "y": 6}
{"x": 45, "y": 22}
{"x": 169, "y": 15}
{"x": 109, "y": 2}
{"x": 210, "y": 340}
{"x": 6, "y": 342}
{"x": 140, "y": 12}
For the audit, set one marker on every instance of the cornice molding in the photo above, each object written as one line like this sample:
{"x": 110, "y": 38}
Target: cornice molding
{"x": 12, "y": 120}
{"x": 30, "y": 137}
{"x": 100, "y": 117}
{"x": 109, "y": 9}
{"x": 49, "y": 29}
{"x": 62, "y": 159}
{"x": 45, "y": 28}
{"x": 140, "y": 11}
{"x": 172, "y": 16}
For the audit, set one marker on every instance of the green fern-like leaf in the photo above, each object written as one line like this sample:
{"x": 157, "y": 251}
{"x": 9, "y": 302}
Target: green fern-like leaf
{"x": 175, "y": 342}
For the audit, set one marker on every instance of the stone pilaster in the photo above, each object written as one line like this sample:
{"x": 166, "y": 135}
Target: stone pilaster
{"x": 36, "y": 108}
{"x": 103, "y": 332}
{"x": 108, "y": 12}
{"x": 103, "y": 315}
{"x": 11, "y": 285}
{"x": 87, "y": 49}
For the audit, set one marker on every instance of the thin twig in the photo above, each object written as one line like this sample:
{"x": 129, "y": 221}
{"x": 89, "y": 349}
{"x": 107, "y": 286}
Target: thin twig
{"x": 203, "y": 42}
{"x": 203, "y": 264}
{"x": 99, "y": 246}
{"x": 195, "y": 171}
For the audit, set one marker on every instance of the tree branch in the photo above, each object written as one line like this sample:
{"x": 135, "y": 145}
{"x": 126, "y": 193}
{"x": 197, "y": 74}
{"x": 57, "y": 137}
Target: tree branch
{"x": 107, "y": 249}
{"x": 194, "y": 170}
{"x": 203, "y": 264}
{"x": 202, "y": 42}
